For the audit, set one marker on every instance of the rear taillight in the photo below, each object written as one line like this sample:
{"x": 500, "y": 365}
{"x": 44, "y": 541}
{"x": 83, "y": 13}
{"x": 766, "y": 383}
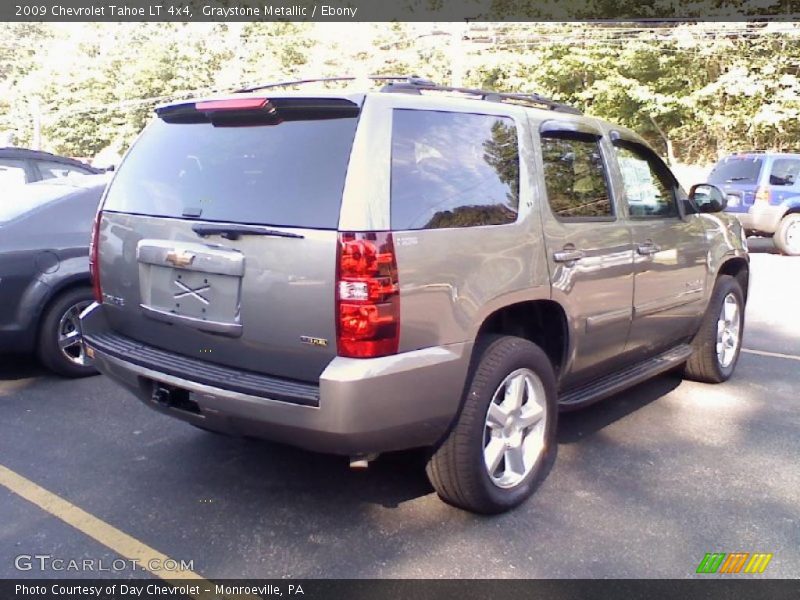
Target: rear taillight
{"x": 94, "y": 255}
{"x": 762, "y": 194}
{"x": 367, "y": 295}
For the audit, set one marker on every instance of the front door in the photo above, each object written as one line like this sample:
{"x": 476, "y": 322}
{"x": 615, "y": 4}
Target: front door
{"x": 588, "y": 249}
{"x": 669, "y": 249}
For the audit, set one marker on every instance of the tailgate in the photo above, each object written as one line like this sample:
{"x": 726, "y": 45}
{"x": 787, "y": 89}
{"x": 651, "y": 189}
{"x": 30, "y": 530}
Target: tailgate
{"x": 253, "y": 303}
{"x": 218, "y": 236}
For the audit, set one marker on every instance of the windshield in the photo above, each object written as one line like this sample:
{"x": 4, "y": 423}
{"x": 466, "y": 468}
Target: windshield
{"x": 736, "y": 169}
{"x": 291, "y": 173}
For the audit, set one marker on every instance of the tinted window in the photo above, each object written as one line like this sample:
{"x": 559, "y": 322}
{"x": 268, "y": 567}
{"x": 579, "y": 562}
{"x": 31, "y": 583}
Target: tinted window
{"x": 736, "y": 169}
{"x": 290, "y": 173}
{"x": 11, "y": 171}
{"x": 53, "y": 170}
{"x": 453, "y": 170}
{"x": 648, "y": 192}
{"x": 785, "y": 171}
{"x": 575, "y": 178}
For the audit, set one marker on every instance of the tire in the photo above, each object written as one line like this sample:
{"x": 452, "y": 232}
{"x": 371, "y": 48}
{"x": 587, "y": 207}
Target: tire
{"x": 458, "y": 470}
{"x": 787, "y": 237}
{"x": 706, "y": 364}
{"x": 58, "y": 322}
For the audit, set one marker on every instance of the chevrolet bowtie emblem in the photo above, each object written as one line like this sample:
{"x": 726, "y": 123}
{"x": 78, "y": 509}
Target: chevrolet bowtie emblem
{"x": 180, "y": 259}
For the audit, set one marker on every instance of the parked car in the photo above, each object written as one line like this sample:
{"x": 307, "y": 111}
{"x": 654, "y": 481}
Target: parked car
{"x": 763, "y": 191}
{"x": 361, "y": 273}
{"x": 19, "y": 165}
{"x": 44, "y": 270}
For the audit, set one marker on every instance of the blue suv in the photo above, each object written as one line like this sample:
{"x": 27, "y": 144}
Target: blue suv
{"x": 763, "y": 191}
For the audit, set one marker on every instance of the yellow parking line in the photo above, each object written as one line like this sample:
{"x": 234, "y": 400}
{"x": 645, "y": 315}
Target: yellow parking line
{"x": 120, "y": 542}
{"x": 771, "y": 354}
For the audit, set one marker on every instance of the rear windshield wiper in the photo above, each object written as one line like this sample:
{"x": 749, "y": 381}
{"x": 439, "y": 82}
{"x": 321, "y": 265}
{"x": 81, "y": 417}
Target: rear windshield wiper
{"x": 737, "y": 179}
{"x": 234, "y": 232}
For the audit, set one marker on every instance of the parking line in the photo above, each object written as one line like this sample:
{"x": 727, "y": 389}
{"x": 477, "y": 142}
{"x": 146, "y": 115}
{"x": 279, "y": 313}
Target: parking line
{"x": 109, "y": 536}
{"x": 771, "y": 354}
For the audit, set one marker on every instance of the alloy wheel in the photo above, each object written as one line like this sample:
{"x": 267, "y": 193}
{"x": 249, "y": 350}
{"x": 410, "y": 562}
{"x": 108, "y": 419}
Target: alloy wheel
{"x": 728, "y": 331}
{"x": 514, "y": 429}
{"x": 69, "y": 334}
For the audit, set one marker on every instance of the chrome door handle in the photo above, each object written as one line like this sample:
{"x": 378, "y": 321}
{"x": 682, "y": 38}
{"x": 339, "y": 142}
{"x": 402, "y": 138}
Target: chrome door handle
{"x": 564, "y": 256}
{"x": 648, "y": 249}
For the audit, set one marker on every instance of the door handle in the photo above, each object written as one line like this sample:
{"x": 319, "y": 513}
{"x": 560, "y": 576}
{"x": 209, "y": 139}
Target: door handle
{"x": 565, "y": 256}
{"x": 648, "y": 248}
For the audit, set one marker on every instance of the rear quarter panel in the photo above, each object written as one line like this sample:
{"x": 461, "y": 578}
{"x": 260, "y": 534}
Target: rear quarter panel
{"x": 450, "y": 279}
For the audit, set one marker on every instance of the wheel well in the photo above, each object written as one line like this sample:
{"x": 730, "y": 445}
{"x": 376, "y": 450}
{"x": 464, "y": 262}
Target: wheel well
{"x": 543, "y": 322}
{"x": 738, "y": 268}
{"x": 793, "y": 211}
{"x": 58, "y": 291}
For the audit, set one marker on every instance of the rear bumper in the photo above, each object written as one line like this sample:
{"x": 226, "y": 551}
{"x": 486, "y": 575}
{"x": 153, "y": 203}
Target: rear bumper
{"x": 762, "y": 217}
{"x": 365, "y": 405}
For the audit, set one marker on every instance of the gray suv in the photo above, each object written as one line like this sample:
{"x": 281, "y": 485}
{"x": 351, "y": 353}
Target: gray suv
{"x": 419, "y": 266}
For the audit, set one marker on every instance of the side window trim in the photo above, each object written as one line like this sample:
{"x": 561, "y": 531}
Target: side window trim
{"x": 558, "y": 126}
{"x": 35, "y": 171}
{"x": 552, "y": 129}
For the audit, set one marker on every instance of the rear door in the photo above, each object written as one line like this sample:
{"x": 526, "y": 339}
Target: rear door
{"x": 784, "y": 180}
{"x": 588, "y": 248}
{"x": 218, "y": 237}
{"x": 670, "y": 252}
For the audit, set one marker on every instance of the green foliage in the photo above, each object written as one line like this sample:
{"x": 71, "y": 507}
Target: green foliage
{"x": 694, "y": 91}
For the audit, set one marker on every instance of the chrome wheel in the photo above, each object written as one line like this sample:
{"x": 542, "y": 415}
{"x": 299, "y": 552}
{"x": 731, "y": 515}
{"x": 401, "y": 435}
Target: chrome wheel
{"x": 515, "y": 428}
{"x": 69, "y": 334}
{"x": 728, "y": 331}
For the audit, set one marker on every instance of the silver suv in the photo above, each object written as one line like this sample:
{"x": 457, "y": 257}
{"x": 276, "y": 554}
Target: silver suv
{"x": 419, "y": 266}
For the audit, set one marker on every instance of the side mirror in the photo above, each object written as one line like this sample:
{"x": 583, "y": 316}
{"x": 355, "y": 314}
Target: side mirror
{"x": 708, "y": 198}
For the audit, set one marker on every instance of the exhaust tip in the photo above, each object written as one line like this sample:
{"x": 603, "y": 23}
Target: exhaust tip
{"x": 360, "y": 462}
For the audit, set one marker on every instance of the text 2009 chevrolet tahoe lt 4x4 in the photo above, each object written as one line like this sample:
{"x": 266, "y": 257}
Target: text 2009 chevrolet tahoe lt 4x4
{"x": 364, "y": 272}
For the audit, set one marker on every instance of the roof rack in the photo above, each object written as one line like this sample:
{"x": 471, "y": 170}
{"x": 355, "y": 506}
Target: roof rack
{"x": 405, "y": 84}
{"x": 415, "y": 85}
{"x": 267, "y": 86}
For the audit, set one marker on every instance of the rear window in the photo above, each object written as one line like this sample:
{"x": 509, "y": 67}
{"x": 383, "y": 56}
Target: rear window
{"x": 453, "y": 170}
{"x": 785, "y": 171}
{"x": 289, "y": 174}
{"x": 736, "y": 169}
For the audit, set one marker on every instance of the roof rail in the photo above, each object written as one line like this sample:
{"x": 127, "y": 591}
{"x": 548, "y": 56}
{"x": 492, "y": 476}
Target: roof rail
{"x": 412, "y": 84}
{"x": 291, "y": 82}
{"x": 415, "y": 85}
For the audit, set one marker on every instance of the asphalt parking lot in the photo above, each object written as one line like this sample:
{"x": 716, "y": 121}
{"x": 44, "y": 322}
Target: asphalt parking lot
{"x": 644, "y": 485}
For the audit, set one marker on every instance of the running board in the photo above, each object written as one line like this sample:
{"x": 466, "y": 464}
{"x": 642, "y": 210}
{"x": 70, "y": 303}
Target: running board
{"x": 616, "y": 382}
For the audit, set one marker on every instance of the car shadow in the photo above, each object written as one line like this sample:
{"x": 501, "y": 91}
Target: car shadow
{"x": 393, "y": 478}
{"x": 19, "y": 366}
{"x": 259, "y": 466}
{"x": 575, "y": 426}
